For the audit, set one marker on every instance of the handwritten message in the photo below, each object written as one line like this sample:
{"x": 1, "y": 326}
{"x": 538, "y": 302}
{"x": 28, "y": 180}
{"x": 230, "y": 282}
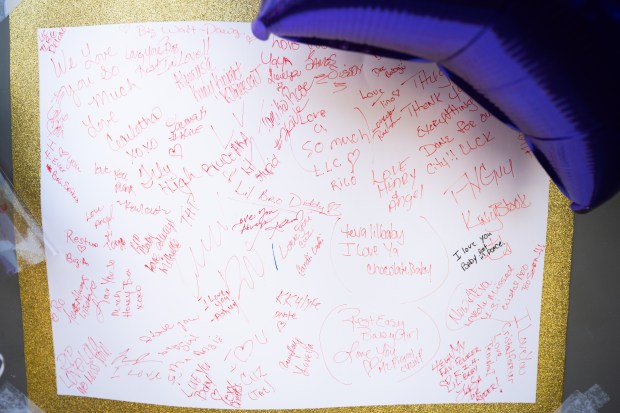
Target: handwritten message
{"x": 262, "y": 225}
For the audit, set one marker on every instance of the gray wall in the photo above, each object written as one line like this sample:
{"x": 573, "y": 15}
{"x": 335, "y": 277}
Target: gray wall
{"x": 11, "y": 335}
{"x": 593, "y": 340}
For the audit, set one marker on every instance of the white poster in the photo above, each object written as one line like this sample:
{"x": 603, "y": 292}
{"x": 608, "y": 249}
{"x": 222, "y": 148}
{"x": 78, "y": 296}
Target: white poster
{"x": 262, "y": 225}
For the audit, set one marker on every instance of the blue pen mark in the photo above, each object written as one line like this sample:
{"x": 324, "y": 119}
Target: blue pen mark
{"x": 274, "y": 257}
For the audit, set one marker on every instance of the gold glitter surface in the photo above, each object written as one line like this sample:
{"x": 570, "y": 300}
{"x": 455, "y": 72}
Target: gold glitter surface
{"x": 33, "y": 14}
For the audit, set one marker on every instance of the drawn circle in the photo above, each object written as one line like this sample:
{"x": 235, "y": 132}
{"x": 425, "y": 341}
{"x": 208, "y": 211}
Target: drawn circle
{"x": 409, "y": 256}
{"x": 360, "y": 343}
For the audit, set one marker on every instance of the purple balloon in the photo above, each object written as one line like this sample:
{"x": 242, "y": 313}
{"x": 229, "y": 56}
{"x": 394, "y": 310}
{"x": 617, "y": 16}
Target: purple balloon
{"x": 547, "y": 68}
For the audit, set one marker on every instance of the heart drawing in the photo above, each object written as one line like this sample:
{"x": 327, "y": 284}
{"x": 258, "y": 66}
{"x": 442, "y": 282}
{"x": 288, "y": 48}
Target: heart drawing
{"x": 281, "y": 325}
{"x": 244, "y": 351}
{"x": 176, "y": 150}
{"x": 352, "y": 157}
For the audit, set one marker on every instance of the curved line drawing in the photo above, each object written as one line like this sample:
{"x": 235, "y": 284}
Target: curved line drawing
{"x": 331, "y": 258}
{"x": 449, "y": 302}
{"x": 447, "y": 269}
{"x": 436, "y": 350}
{"x": 321, "y": 344}
{"x": 294, "y": 156}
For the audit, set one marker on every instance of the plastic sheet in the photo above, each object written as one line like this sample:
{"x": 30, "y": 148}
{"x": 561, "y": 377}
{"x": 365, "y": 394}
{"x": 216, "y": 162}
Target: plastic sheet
{"x": 589, "y": 402}
{"x": 14, "y": 401}
{"x": 6, "y": 7}
{"x": 21, "y": 237}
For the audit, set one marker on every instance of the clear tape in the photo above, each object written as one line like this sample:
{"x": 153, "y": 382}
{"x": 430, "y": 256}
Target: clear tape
{"x": 589, "y": 402}
{"x": 6, "y": 7}
{"x": 21, "y": 237}
{"x": 14, "y": 401}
